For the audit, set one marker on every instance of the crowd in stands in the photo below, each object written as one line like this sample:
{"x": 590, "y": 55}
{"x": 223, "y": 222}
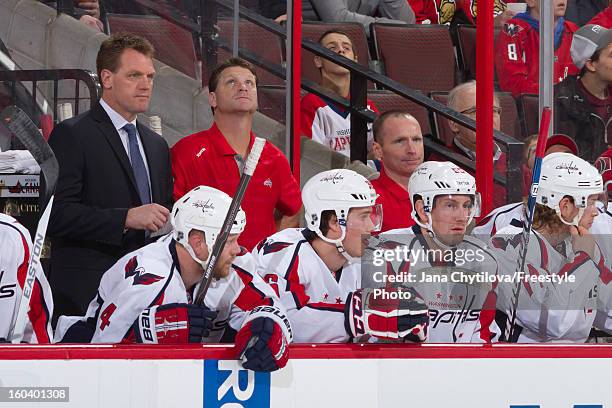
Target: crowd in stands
{"x": 118, "y": 182}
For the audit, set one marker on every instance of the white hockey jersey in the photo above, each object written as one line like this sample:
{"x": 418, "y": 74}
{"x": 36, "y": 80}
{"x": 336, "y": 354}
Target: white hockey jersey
{"x": 151, "y": 276}
{"x": 313, "y": 296}
{"x": 15, "y": 247}
{"x": 497, "y": 219}
{"x": 558, "y": 300}
{"x": 330, "y": 125}
{"x": 460, "y": 310}
{"x": 602, "y": 231}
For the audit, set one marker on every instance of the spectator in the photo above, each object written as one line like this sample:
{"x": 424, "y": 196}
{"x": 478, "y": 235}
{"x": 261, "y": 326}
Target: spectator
{"x": 425, "y": 11}
{"x": 361, "y": 11}
{"x": 462, "y": 98}
{"x": 558, "y": 143}
{"x": 583, "y": 103}
{"x": 580, "y": 12}
{"x": 398, "y": 144}
{"x": 115, "y": 180}
{"x": 215, "y": 157}
{"x": 322, "y": 120}
{"x": 86, "y": 11}
{"x": 465, "y": 11}
{"x": 603, "y": 18}
{"x": 517, "y": 50}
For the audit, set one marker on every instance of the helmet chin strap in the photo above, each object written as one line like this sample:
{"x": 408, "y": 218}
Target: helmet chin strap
{"x": 191, "y": 253}
{"x": 575, "y": 221}
{"x": 431, "y": 233}
{"x": 338, "y": 244}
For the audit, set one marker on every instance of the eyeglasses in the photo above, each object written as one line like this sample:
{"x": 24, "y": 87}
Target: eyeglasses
{"x": 470, "y": 111}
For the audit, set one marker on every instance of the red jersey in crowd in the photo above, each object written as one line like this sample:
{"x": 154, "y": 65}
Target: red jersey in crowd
{"x": 517, "y": 54}
{"x": 604, "y": 18}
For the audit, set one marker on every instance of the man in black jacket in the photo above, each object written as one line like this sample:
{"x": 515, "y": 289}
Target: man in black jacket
{"x": 115, "y": 182}
{"x": 583, "y": 103}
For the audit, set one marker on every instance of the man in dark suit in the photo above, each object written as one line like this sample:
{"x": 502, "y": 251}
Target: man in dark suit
{"x": 115, "y": 182}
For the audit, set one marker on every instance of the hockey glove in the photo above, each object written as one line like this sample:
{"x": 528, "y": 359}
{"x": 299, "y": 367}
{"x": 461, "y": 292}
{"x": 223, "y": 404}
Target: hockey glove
{"x": 174, "y": 323}
{"x": 389, "y": 313}
{"x": 262, "y": 342}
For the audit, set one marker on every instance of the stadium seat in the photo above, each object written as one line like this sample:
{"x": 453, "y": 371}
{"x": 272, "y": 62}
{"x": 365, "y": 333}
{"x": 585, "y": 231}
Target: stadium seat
{"x": 313, "y": 31}
{"x": 387, "y": 100}
{"x": 173, "y": 45}
{"x": 443, "y": 130}
{"x": 258, "y": 41}
{"x": 419, "y": 56}
{"x": 509, "y": 117}
{"x": 466, "y": 50}
{"x": 528, "y": 108}
{"x": 271, "y": 100}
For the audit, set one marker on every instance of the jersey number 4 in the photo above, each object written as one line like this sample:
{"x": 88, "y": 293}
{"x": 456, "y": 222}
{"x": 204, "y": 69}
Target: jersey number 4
{"x": 106, "y": 315}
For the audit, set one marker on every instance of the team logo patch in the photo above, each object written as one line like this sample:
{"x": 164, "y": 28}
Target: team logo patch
{"x": 511, "y": 29}
{"x": 271, "y": 247}
{"x": 268, "y": 183}
{"x": 140, "y": 278}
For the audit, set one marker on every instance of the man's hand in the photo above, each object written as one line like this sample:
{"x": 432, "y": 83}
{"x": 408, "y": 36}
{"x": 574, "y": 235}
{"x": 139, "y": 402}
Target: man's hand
{"x": 150, "y": 217}
{"x": 91, "y": 7}
{"x": 92, "y": 22}
{"x": 503, "y": 18}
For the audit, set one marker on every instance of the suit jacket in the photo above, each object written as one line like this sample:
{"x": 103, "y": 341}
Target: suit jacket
{"x": 95, "y": 190}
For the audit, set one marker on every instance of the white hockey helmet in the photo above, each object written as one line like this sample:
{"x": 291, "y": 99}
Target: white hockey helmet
{"x": 433, "y": 178}
{"x": 203, "y": 209}
{"x": 338, "y": 190}
{"x": 564, "y": 174}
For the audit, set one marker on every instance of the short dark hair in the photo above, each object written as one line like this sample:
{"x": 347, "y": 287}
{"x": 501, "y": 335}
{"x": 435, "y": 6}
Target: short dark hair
{"x": 326, "y": 217}
{"x": 112, "y": 48}
{"x": 337, "y": 31}
{"x": 594, "y": 58}
{"x": 213, "y": 80}
{"x": 380, "y": 121}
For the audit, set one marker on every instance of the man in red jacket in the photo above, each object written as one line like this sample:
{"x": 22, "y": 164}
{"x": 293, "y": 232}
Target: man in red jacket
{"x": 517, "y": 49}
{"x": 604, "y": 18}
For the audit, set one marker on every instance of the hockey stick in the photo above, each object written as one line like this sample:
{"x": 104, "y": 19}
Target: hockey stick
{"x": 531, "y": 203}
{"x": 28, "y": 134}
{"x": 249, "y": 169}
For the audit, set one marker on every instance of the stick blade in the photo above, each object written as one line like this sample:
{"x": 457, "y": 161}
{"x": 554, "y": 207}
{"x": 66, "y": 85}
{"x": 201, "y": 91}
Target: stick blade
{"x": 20, "y": 124}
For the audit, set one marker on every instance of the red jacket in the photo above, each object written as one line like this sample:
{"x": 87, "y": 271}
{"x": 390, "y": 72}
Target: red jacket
{"x": 425, "y": 11}
{"x": 604, "y": 18}
{"x": 517, "y": 59}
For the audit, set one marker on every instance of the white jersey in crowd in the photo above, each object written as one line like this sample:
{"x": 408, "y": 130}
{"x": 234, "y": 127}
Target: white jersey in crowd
{"x": 150, "y": 276}
{"x": 459, "y": 312}
{"x": 549, "y": 310}
{"x": 313, "y": 296}
{"x": 15, "y": 247}
{"x": 329, "y": 124}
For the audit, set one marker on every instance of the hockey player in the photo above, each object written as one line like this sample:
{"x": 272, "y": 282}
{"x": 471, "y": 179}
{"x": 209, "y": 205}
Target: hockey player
{"x": 317, "y": 274}
{"x": 444, "y": 202}
{"x": 146, "y": 297}
{"x": 16, "y": 247}
{"x": 561, "y": 246}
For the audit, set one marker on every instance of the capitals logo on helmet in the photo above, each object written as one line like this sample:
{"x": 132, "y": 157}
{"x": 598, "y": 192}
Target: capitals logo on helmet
{"x": 564, "y": 174}
{"x": 432, "y": 179}
{"x": 203, "y": 209}
{"x": 336, "y": 190}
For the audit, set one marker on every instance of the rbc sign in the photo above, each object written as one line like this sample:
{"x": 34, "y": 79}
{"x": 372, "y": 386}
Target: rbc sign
{"x": 227, "y": 385}
{"x": 538, "y": 406}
